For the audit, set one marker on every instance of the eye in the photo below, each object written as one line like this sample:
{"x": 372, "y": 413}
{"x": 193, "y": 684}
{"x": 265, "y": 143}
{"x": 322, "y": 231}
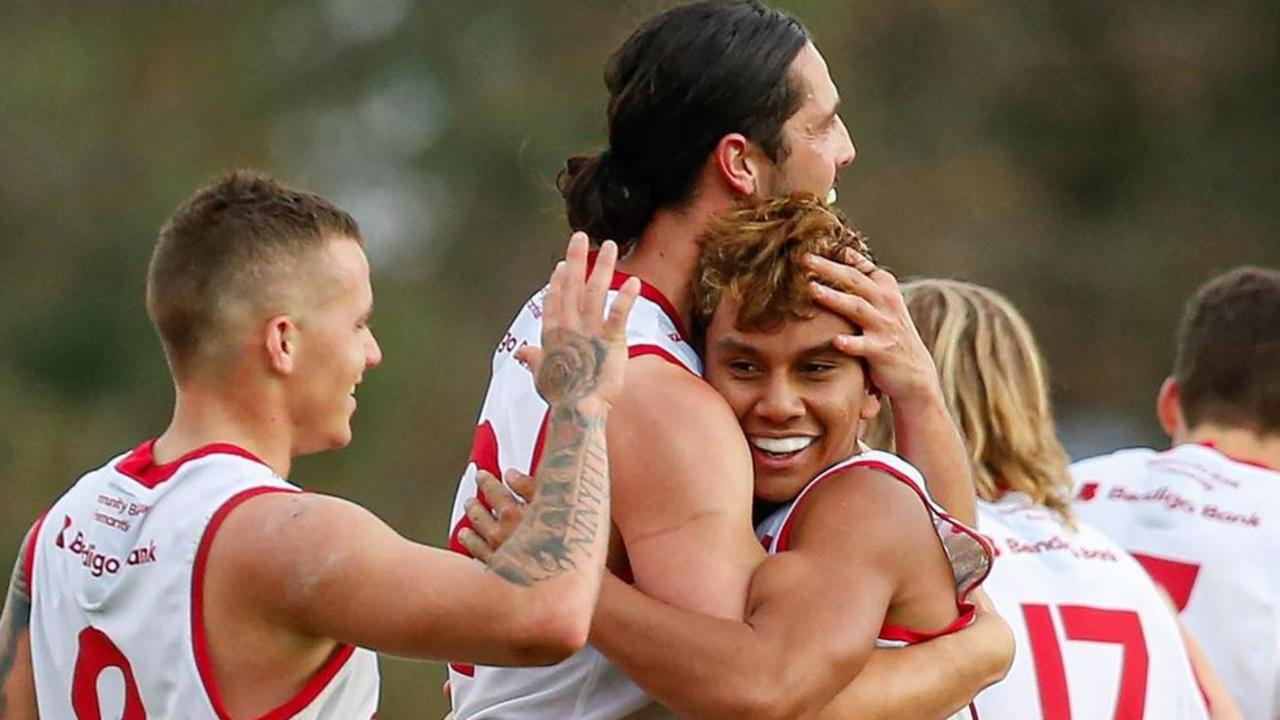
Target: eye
{"x": 818, "y": 368}
{"x": 742, "y": 367}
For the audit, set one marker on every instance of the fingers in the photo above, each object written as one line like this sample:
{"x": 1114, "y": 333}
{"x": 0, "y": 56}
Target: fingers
{"x": 615, "y": 328}
{"x": 598, "y": 285}
{"x": 495, "y": 494}
{"x": 531, "y": 357}
{"x": 553, "y": 302}
{"x": 575, "y": 258}
{"x": 841, "y": 276}
{"x": 856, "y": 309}
{"x": 521, "y": 484}
{"x": 482, "y": 521}
{"x": 859, "y": 346}
{"x": 475, "y": 545}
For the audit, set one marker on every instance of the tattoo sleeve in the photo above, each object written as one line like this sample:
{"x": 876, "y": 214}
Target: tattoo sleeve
{"x": 569, "y": 511}
{"x": 14, "y": 623}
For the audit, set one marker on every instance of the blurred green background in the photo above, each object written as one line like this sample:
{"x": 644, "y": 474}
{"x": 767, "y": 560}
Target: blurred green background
{"x": 1094, "y": 160}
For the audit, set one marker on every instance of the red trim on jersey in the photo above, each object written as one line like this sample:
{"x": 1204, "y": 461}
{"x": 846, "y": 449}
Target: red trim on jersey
{"x": 893, "y": 632}
{"x": 540, "y": 444}
{"x": 909, "y": 636}
{"x": 636, "y": 351}
{"x": 140, "y": 464}
{"x": 1254, "y": 463}
{"x": 200, "y": 641}
{"x": 29, "y": 555}
{"x": 647, "y": 291}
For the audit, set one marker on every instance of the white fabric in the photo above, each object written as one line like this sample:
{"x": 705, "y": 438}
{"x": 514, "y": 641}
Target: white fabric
{"x": 970, "y": 559}
{"x": 1207, "y": 527}
{"x": 1054, "y": 586}
{"x": 586, "y": 686}
{"x": 114, "y": 566}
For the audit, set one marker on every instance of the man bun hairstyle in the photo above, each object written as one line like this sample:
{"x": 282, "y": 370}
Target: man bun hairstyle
{"x": 1228, "y": 357}
{"x": 232, "y": 242}
{"x": 683, "y": 80}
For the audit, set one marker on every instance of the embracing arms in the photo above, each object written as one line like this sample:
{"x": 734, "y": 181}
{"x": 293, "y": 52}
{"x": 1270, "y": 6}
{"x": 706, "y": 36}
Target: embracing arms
{"x": 338, "y": 572}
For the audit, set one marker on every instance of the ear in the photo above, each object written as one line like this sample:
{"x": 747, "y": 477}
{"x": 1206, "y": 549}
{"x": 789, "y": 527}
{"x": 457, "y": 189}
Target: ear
{"x": 1169, "y": 409}
{"x": 739, "y": 164}
{"x": 870, "y": 402}
{"x": 280, "y": 341}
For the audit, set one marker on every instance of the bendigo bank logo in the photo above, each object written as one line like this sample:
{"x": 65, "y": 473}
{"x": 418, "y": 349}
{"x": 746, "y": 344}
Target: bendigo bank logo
{"x": 97, "y": 563}
{"x": 1088, "y": 491}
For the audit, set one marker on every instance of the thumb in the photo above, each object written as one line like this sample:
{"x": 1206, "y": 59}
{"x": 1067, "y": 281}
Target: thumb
{"x": 530, "y": 357}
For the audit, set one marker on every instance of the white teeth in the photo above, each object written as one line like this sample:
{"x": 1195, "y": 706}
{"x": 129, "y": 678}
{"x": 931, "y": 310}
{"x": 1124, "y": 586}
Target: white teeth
{"x": 831, "y": 196}
{"x": 780, "y": 446}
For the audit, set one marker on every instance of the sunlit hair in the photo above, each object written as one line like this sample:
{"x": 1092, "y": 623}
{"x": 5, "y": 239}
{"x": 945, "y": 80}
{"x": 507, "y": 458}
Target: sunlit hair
{"x": 994, "y": 382}
{"x": 752, "y": 255}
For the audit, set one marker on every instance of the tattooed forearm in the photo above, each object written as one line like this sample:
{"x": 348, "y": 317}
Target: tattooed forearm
{"x": 570, "y": 508}
{"x": 14, "y": 622}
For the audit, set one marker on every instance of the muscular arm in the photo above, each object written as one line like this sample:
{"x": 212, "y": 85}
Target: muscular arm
{"x": 926, "y": 436}
{"x": 813, "y": 616}
{"x": 17, "y": 682}
{"x": 682, "y": 482}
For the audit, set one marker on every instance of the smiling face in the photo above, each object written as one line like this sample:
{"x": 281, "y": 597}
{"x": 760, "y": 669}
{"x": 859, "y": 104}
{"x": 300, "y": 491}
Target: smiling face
{"x": 800, "y": 401}
{"x": 816, "y": 140}
{"x": 334, "y": 347}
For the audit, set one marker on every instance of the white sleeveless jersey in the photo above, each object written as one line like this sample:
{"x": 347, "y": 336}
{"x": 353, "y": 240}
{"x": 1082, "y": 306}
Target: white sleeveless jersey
{"x": 117, "y": 569}
{"x": 512, "y": 425}
{"x": 1207, "y": 528}
{"x": 1094, "y": 638}
{"x": 967, "y": 551}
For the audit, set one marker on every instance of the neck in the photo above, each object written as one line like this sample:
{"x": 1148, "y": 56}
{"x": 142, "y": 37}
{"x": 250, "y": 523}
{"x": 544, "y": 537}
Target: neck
{"x": 666, "y": 253}
{"x": 206, "y": 415}
{"x": 1238, "y": 444}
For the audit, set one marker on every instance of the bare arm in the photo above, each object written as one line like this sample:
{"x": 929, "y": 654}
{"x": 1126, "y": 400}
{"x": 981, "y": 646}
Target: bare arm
{"x": 17, "y": 682}
{"x": 683, "y": 485}
{"x": 813, "y": 615}
{"x": 902, "y": 368}
{"x": 928, "y": 681}
{"x": 340, "y": 573}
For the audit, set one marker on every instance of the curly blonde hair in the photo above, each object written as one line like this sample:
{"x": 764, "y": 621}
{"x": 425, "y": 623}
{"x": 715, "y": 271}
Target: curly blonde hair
{"x": 993, "y": 378}
{"x": 752, "y": 255}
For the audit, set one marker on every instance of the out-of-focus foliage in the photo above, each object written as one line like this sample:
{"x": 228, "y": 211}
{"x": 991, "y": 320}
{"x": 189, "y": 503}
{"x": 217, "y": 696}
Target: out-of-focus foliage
{"x": 1095, "y": 161}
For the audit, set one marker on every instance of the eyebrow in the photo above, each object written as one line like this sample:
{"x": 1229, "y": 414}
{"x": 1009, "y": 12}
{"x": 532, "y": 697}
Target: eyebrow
{"x": 731, "y": 344}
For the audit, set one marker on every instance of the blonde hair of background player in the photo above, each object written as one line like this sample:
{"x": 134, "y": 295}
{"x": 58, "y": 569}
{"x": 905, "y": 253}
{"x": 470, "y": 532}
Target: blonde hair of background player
{"x": 994, "y": 382}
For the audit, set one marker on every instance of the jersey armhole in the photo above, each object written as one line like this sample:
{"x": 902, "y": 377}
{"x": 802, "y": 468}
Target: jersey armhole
{"x": 200, "y": 641}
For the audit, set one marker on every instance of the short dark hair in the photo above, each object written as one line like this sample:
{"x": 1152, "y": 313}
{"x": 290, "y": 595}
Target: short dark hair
{"x": 681, "y": 82}
{"x": 225, "y": 243}
{"x": 1228, "y": 357}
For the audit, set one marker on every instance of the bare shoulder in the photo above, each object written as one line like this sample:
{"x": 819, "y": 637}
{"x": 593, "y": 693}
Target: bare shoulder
{"x": 672, "y": 432}
{"x": 865, "y": 512}
{"x": 277, "y": 546}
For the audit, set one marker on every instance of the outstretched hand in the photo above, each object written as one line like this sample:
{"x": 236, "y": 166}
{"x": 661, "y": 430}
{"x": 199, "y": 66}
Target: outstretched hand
{"x": 583, "y": 354}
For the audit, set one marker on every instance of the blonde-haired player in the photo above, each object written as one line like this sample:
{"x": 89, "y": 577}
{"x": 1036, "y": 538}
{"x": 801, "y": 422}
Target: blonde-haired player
{"x": 1095, "y": 638}
{"x": 1204, "y": 515}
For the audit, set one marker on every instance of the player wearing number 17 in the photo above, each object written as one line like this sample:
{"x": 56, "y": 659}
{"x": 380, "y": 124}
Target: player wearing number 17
{"x": 1095, "y": 639}
{"x": 187, "y": 578}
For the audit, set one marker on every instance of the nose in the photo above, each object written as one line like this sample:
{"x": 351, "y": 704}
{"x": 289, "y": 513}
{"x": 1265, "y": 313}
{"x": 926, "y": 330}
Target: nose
{"x": 779, "y": 403}
{"x": 847, "y": 152}
{"x": 373, "y": 353}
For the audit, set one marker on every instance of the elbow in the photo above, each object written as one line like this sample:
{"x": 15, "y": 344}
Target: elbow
{"x": 551, "y": 631}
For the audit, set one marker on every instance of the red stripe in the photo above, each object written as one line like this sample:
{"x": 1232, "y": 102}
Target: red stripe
{"x": 200, "y": 640}
{"x": 1254, "y": 463}
{"x": 647, "y": 291}
{"x": 642, "y": 350}
{"x": 29, "y": 555}
{"x": 894, "y": 632}
{"x": 141, "y": 463}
